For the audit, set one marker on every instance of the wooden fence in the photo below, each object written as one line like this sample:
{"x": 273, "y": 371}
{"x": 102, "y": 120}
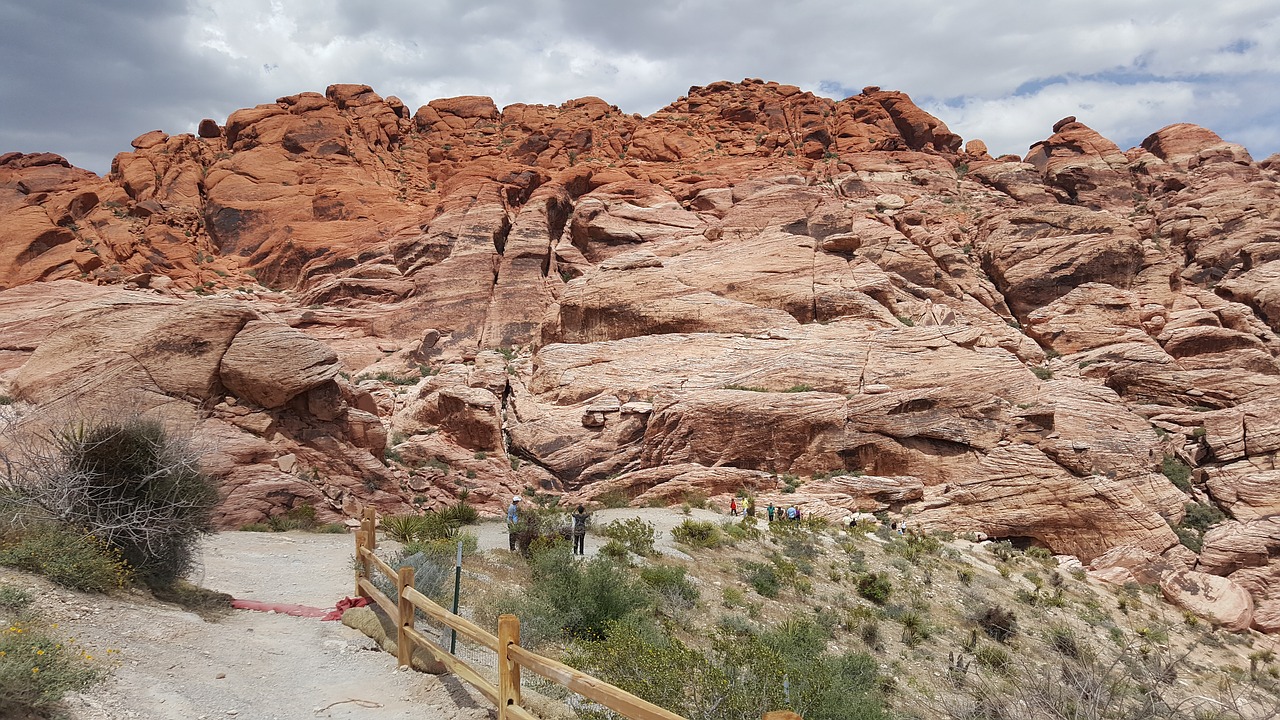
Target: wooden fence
{"x": 511, "y": 656}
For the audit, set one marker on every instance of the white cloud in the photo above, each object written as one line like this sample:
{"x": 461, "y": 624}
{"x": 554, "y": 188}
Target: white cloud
{"x": 1002, "y": 70}
{"x": 1012, "y": 124}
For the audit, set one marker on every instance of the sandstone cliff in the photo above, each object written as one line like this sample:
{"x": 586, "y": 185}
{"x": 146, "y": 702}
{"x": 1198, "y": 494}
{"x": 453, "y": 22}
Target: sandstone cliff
{"x": 750, "y": 285}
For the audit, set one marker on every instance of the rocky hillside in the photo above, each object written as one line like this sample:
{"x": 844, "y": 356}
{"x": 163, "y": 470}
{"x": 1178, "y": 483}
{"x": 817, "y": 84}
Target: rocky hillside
{"x": 829, "y": 304}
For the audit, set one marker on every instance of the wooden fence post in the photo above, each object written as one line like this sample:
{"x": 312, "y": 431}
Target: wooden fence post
{"x": 508, "y": 670}
{"x": 404, "y": 646}
{"x": 366, "y": 536}
{"x": 360, "y": 567}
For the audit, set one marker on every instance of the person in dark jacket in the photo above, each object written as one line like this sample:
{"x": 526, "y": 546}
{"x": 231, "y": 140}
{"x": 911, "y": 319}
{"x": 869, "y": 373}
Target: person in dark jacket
{"x": 580, "y": 517}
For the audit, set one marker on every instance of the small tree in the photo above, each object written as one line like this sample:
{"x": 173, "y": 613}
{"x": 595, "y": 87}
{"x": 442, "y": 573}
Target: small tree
{"x": 130, "y": 484}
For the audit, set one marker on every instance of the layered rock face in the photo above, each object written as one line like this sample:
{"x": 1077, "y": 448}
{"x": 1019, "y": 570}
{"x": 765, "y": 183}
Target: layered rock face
{"x": 753, "y": 288}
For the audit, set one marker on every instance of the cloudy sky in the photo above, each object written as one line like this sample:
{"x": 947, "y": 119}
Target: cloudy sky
{"x": 82, "y": 78}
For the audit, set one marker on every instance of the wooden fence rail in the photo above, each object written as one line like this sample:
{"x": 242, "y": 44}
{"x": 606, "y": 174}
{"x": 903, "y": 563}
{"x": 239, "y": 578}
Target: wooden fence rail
{"x": 511, "y": 656}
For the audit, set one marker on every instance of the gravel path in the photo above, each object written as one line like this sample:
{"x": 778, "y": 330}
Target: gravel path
{"x": 171, "y": 665}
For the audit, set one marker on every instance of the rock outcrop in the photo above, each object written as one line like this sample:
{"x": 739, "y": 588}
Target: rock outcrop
{"x": 754, "y": 288}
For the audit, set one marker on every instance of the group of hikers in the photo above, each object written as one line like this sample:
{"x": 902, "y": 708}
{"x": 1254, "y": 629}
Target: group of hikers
{"x": 580, "y": 516}
{"x": 790, "y": 512}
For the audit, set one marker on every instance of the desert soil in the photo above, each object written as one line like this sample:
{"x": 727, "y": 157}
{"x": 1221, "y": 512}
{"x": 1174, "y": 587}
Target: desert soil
{"x": 169, "y": 664}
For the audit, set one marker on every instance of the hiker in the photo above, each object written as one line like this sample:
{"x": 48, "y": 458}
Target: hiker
{"x": 770, "y": 509}
{"x": 513, "y": 519}
{"x": 733, "y": 506}
{"x": 580, "y": 517}
{"x": 797, "y": 515}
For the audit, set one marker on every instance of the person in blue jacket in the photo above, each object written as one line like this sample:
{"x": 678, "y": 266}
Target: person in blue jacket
{"x": 513, "y": 519}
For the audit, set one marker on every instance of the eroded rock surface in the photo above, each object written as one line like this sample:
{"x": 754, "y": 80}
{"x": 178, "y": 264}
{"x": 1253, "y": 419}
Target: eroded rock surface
{"x": 754, "y": 288}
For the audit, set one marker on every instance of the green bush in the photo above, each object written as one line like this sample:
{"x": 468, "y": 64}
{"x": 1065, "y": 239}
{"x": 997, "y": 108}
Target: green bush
{"x": 572, "y": 598}
{"x": 875, "y": 587}
{"x": 461, "y": 514}
{"x": 403, "y": 528}
{"x": 763, "y": 578}
{"x": 14, "y": 600}
{"x": 742, "y": 675}
{"x": 445, "y": 550}
{"x": 698, "y": 534}
{"x": 1178, "y": 472}
{"x": 38, "y": 668}
{"x": 419, "y": 528}
{"x": 615, "y": 550}
{"x": 634, "y": 534}
{"x": 539, "y": 529}
{"x": 915, "y": 547}
{"x": 994, "y": 658}
{"x": 670, "y": 583}
{"x": 71, "y": 559}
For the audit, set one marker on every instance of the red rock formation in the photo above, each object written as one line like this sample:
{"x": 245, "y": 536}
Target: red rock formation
{"x": 751, "y": 282}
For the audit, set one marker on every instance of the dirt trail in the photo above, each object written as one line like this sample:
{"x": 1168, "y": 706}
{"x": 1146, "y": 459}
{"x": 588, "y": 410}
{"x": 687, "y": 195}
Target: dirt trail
{"x": 171, "y": 665}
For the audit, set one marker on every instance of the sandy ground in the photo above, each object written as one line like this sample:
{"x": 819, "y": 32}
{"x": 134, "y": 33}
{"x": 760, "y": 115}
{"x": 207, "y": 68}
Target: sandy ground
{"x": 169, "y": 664}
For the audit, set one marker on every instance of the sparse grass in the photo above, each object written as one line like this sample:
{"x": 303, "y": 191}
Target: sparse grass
{"x": 69, "y": 558}
{"x": 38, "y": 666}
{"x": 1178, "y": 472}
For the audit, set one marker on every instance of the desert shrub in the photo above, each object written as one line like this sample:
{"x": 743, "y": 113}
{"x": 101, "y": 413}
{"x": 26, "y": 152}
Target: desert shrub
{"x": 997, "y": 622}
{"x": 403, "y": 528}
{"x": 1178, "y": 472}
{"x": 633, "y": 534}
{"x": 763, "y": 577}
{"x": 38, "y": 668}
{"x": 670, "y": 582}
{"x": 696, "y": 533}
{"x": 1199, "y": 518}
{"x": 994, "y": 658}
{"x": 1063, "y": 640}
{"x": 539, "y": 529}
{"x": 914, "y": 548}
{"x": 129, "y": 483}
{"x": 461, "y": 513}
{"x": 615, "y": 551}
{"x": 71, "y": 559}
{"x": 741, "y": 675}
{"x": 432, "y": 575}
{"x": 1002, "y": 549}
{"x": 744, "y": 529}
{"x": 256, "y": 527}
{"x": 915, "y": 627}
{"x": 14, "y": 600}
{"x": 445, "y": 549}
{"x": 572, "y": 598}
{"x": 301, "y": 517}
{"x": 875, "y": 587}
